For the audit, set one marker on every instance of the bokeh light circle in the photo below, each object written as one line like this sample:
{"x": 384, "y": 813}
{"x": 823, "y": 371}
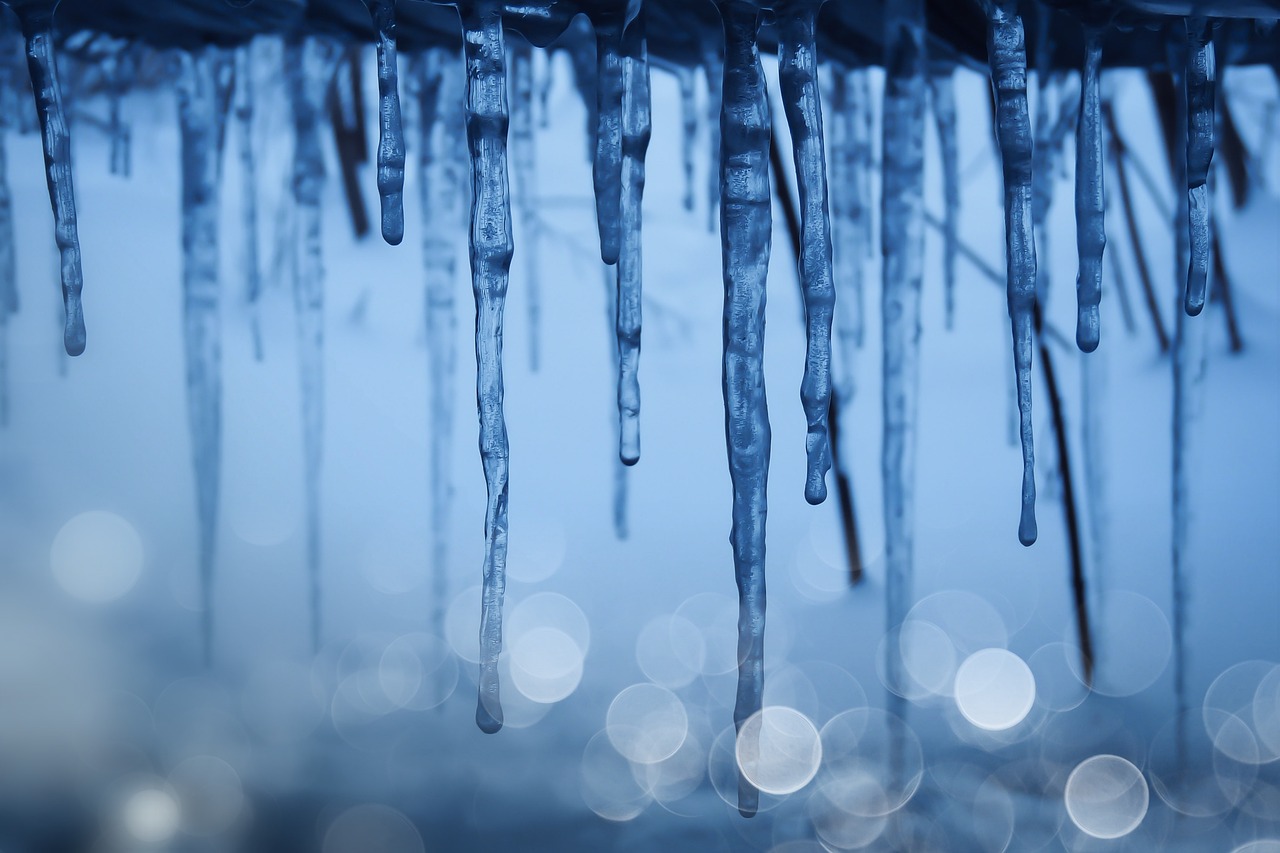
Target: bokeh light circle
{"x": 994, "y": 689}
{"x": 646, "y": 723}
{"x": 778, "y": 750}
{"x": 151, "y": 815}
{"x": 869, "y": 743}
{"x": 96, "y": 557}
{"x": 372, "y": 828}
{"x": 1106, "y": 796}
{"x": 1242, "y": 712}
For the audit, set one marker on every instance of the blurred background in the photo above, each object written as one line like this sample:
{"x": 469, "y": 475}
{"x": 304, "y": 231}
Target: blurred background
{"x": 619, "y": 662}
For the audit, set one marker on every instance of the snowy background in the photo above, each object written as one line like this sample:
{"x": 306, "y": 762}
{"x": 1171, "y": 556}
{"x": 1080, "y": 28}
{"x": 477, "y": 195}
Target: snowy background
{"x": 114, "y": 736}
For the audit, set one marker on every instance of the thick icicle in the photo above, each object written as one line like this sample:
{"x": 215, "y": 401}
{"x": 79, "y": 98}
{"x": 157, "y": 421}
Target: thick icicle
{"x": 524, "y": 165}
{"x": 1007, "y": 53}
{"x": 637, "y": 125}
{"x": 1091, "y": 231}
{"x": 310, "y": 69}
{"x": 606, "y": 170}
{"x": 798, "y": 82}
{"x": 902, "y": 245}
{"x": 390, "y": 127}
{"x": 942, "y": 87}
{"x": 688, "y": 130}
{"x": 244, "y": 111}
{"x": 36, "y": 19}
{"x": 713, "y": 67}
{"x": 443, "y": 193}
{"x": 198, "y": 107}
{"x": 491, "y": 250}
{"x": 746, "y": 222}
{"x": 1201, "y": 81}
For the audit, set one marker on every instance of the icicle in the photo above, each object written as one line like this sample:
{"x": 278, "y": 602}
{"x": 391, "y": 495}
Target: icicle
{"x": 688, "y": 130}
{"x": 611, "y": 276}
{"x": 491, "y": 250}
{"x": 391, "y": 133}
{"x": 36, "y": 19}
{"x": 713, "y": 67}
{"x": 543, "y": 83}
{"x": 1091, "y": 232}
{"x": 244, "y": 110}
{"x": 1007, "y": 50}
{"x": 746, "y": 223}
{"x": 847, "y": 254}
{"x": 198, "y": 107}
{"x": 443, "y": 193}
{"x": 523, "y": 158}
{"x": 942, "y": 87}
{"x": 1200, "y": 83}
{"x": 606, "y": 170}
{"x": 902, "y": 245}
{"x": 310, "y": 66}
{"x": 636, "y": 128}
{"x": 8, "y": 270}
{"x": 798, "y": 79}
{"x": 118, "y": 69}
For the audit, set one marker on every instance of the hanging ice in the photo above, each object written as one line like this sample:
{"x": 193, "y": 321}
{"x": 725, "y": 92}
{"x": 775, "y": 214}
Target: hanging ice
{"x": 491, "y": 250}
{"x": 942, "y": 87}
{"x": 443, "y": 191}
{"x": 1200, "y": 84}
{"x": 244, "y": 112}
{"x": 8, "y": 266}
{"x": 798, "y": 79}
{"x": 309, "y": 66}
{"x": 200, "y": 124}
{"x": 746, "y": 222}
{"x": 118, "y": 69}
{"x": 391, "y": 153}
{"x": 611, "y": 274}
{"x": 36, "y": 19}
{"x": 713, "y": 68}
{"x": 524, "y": 164}
{"x": 902, "y": 245}
{"x": 636, "y": 128}
{"x": 1007, "y": 53}
{"x": 688, "y": 130}
{"x": 1091, "y": 232}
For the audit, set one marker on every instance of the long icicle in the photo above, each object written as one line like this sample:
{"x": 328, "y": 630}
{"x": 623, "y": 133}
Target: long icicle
{"x": 713, "y": 69}
{"x": 391, "y": 155}
{"x": 8, "y": 266}
{"x": 1007, "y": 53}
{"x": 746, "y": 222}
{"x": 637, "y": 126}
{"x": 902, "y": 245}
{"x": 119, "y": 68}
{"x": 798, "y": 83}
{"x": 310, "y": 69}
{"x": 36, "y": 19}
{"x": 524, "y": 167}
{"x": 942, "y": 87}
{"x": 621, "y": 528}
{"x": 202, "y": 333}
{"x": 443, "y": 193}
{"x": 1091, "y": 226}
{"x": 491, "y": 250}
{"x": 847, "y": 252}
{"x": 244, "y": 114}
{"x": 606, "y": 170}
{"x": 862, "y": 163}
{"x": 1201, "y": 83}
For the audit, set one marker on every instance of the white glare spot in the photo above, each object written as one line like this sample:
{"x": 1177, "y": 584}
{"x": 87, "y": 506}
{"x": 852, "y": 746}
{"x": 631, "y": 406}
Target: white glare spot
{"x": 151, "y": 816}
{"x": 994, "y": 689}
{"x": 96, "y": 557}
{"x": 778, "y": 750}
{"x": 546, "y": 664}
{"x": 646, "y": 723}
{"x": 1106, "y": 796}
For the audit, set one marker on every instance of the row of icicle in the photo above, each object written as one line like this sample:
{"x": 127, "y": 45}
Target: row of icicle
{"x": 745, "y": 198}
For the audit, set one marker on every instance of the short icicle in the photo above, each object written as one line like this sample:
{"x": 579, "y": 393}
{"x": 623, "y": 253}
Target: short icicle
{"x": 1201, "y": 83}
{"x": 688, "y": 131}
{"x": 36, "y": 20}
{"x": 943, "y": 89}
{"x": 491, "y": 250}
{"x": 310, "y": 66}
{"x": 391, "y": 154}
{"x": 1091, "y": 231}
{"x": 199, "y": 123}
{"x": 444, "y": 196}
{"x": 798, "y": 82}
{"x": 524, "y": 167}
{"x": 746, "y": 222}
{"x": 902, "y": 247}
{"x": 637, "y": 126}
{"x": 1007, "y": 53}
